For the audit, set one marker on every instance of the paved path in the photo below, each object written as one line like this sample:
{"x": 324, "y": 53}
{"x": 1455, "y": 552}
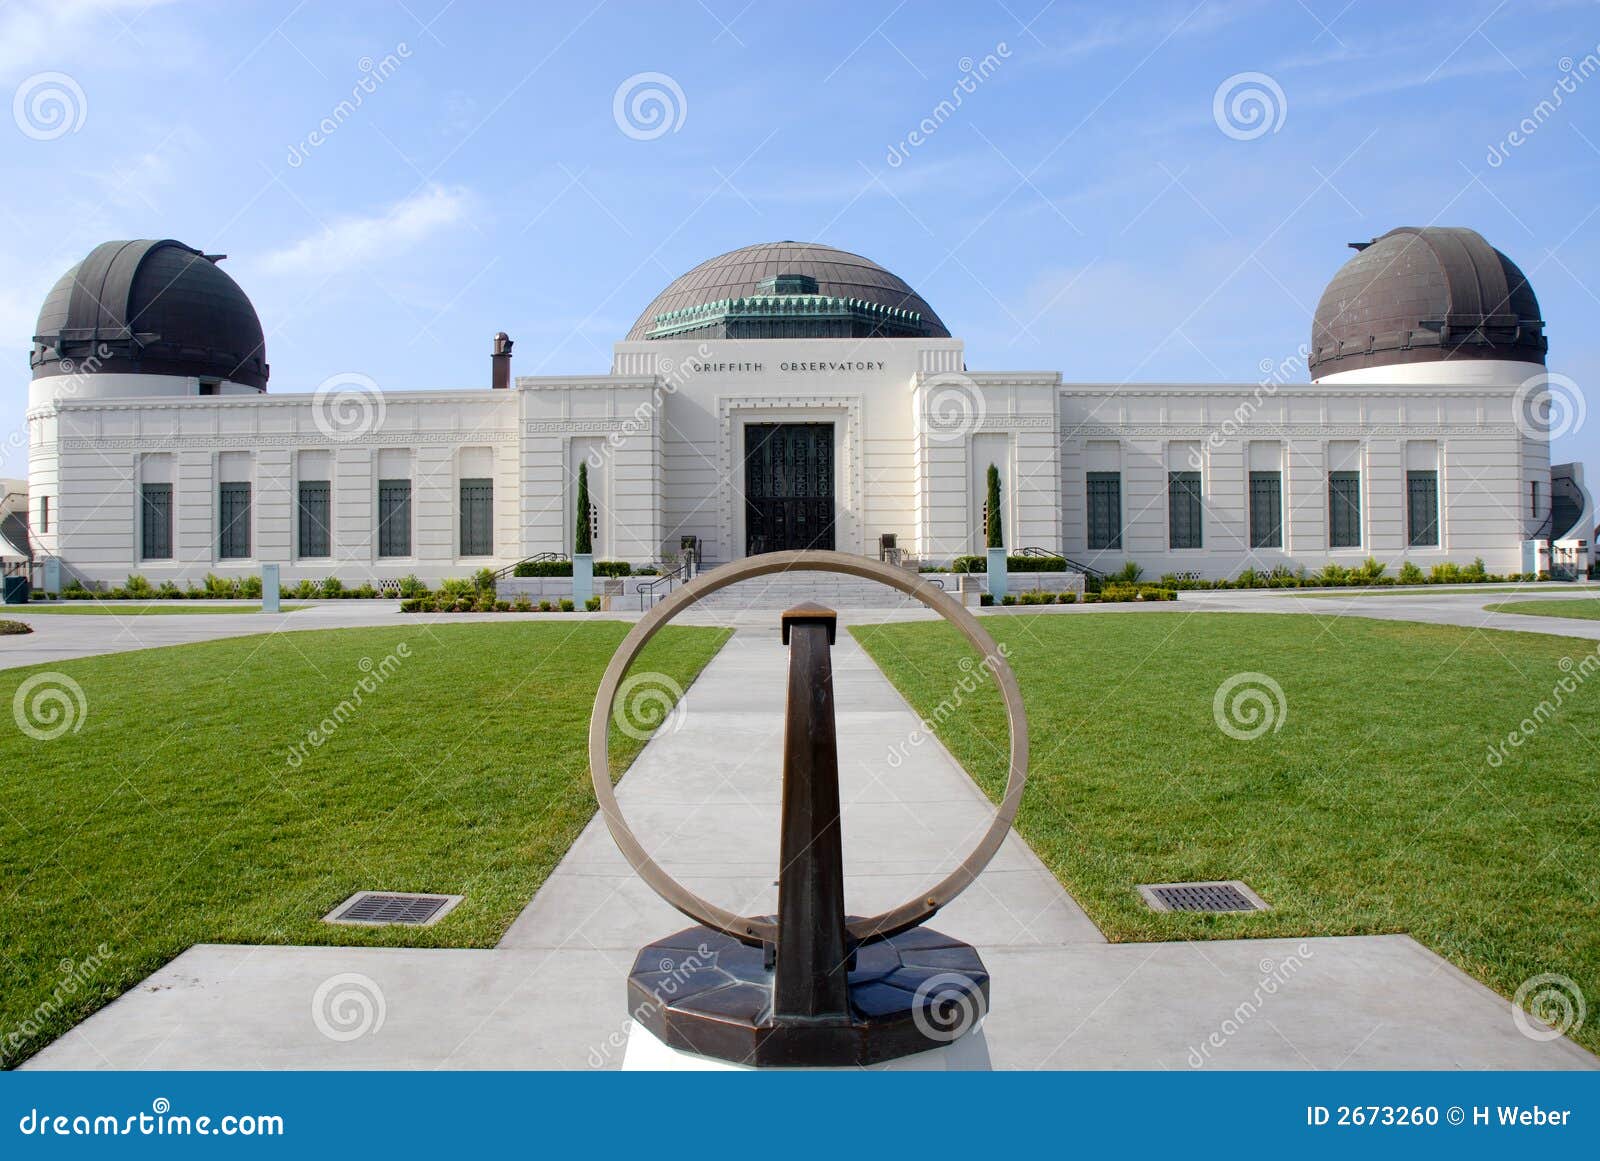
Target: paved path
{"x": 703, "y": 795}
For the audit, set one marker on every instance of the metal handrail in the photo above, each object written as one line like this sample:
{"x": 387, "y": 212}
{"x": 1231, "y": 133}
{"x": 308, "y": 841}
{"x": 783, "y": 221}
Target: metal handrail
{"x": 648, "y": 588}
{"x": 536, "y": 558}
{"x": 1075, "y": 566}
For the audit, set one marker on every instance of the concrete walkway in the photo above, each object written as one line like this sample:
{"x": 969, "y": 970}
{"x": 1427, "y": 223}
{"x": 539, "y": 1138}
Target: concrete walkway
{"x": 703, "y": 796}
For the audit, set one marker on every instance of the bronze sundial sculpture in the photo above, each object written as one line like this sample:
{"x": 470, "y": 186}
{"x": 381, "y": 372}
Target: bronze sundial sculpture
{"x": 809, "y": 986}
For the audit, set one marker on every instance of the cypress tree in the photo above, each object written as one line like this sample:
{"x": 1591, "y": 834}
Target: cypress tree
{"x": 582, "y": 542}
{"x": 992, "y": 531}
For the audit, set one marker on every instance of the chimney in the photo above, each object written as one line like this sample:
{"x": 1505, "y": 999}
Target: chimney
{"x": 500, "y": 362}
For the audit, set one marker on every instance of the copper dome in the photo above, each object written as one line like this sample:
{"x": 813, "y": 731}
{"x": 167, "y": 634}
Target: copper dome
{"x": 149, "y": 307}
{"x": 829, "y": 293}
{"x": 1425, "y": 294}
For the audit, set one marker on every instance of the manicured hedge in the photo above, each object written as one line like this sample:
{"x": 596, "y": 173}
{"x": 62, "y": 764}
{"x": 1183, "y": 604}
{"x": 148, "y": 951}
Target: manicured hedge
{"x": 1013, "y": 564}
{"x": 13, "y": 628}
{"x": 564, "y": 568}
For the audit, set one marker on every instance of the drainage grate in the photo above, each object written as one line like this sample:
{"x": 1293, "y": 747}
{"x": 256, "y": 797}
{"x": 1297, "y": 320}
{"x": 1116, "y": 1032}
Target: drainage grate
{"x": 1226, "y": 896}
{"x": 381, "y": 908}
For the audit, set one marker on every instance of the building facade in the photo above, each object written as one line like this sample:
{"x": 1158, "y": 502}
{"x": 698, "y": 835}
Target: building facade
{"x": 793, "y": 395}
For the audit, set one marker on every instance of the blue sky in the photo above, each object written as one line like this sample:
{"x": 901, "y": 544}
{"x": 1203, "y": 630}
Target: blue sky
{"x": 1083, "y": 209}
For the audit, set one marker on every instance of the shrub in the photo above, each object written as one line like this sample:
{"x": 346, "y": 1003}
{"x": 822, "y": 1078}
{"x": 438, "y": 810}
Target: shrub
{"x": 566, "y": 605}
{"x": 543, "y": 568}
{"x": 456, "y": 587}
{"x": 522, "y": 604}
{"x": 502, "y": 606}
{"x": 985, "y": 600}
{"x": 1134, "y": 592}
{"x": 1013, "y": 564}
{"x": 969, "y": 564}
{"x": 1067, "y": 598}
{"x": 331, "y": 586}
{"x": 1009, "y": 599}
{"x": 592, "y": 605}
{"x": 1129, "y": 574}
{"x": 646, "y": 570}
{"x": 1038, "y": 597}
{"x": 366, "y": 590}
{"x": 546, "y": 607}
{"x": 13, "y": 628}
{"x": 612, "y": 568}
{"x": 410, "y": 586}
{"x": 137, "y": 586}
{"x": 169, "y": 591}
{"x": 483, "y": 580}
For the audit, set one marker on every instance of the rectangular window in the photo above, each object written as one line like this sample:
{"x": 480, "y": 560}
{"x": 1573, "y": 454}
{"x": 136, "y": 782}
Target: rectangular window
{"x": 477, "y": 517}
{"x": 1266, "y": 509}
{"x": 1183, "y": 509}
{"x": 316, "y": 539}
{"x": 1104, "y": 492}
{"x": 44, "y": 513}
{"x": 1422, "y": 508}
{"x": 155, "y": 522}
{"x": 233, "y": 512}
{"x": 1533, "y": 498}
{"x": 1344, "y": 509}
{"x": 394, "y": 517}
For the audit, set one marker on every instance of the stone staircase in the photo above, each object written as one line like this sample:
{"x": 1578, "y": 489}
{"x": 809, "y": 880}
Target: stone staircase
{"x": 785, "y": 590}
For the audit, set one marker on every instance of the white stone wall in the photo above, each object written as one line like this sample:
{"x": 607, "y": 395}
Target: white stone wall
{"x": 663, "y": 435}
{"x": 1469, "y": 431}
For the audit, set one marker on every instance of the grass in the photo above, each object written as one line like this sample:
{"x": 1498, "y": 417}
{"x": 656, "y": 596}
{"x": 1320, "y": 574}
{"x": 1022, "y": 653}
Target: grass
{"x": 178, "y": 813}
{"x": 1581, "y": 610}
{"x": 1372, "y": 808}
{"x": 142, "y": 608}
{"x": 1452, "y": 590}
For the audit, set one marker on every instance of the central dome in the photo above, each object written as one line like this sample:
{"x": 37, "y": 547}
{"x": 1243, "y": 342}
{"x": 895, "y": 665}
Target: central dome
{"x": 788, "y": 290}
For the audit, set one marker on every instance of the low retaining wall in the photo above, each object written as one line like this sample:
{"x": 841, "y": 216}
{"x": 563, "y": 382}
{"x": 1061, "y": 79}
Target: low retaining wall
{"x": 1021, "y": 582}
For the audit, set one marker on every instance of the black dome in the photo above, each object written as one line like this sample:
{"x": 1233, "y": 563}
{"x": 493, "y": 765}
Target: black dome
{"x": 153, "y": 308}
{"x": 788, "y": 290}
{"x": 1425, "y": 294}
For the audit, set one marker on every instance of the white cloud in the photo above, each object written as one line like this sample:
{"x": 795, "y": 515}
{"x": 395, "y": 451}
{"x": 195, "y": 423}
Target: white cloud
{"x": 354, "y": 241}
{"x": 36, "y": 34}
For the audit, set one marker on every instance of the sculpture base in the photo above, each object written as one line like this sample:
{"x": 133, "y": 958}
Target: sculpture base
{"x": 645, "y": 1053}
{"x": 705, "y": 993}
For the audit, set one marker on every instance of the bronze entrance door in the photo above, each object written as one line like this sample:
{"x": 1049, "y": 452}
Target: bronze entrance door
{"x": 788, "y": 486}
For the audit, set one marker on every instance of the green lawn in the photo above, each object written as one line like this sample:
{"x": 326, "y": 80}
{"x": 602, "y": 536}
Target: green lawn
{"x": 139, "y": 608}
{"x": 178, "y": 813}
{"x": 1373, "y": 808}
{"x": 1582, "y": 610}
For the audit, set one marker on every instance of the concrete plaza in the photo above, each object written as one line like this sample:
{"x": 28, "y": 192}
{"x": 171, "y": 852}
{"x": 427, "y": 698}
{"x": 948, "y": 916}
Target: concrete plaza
{"x": 703, "y": 797}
